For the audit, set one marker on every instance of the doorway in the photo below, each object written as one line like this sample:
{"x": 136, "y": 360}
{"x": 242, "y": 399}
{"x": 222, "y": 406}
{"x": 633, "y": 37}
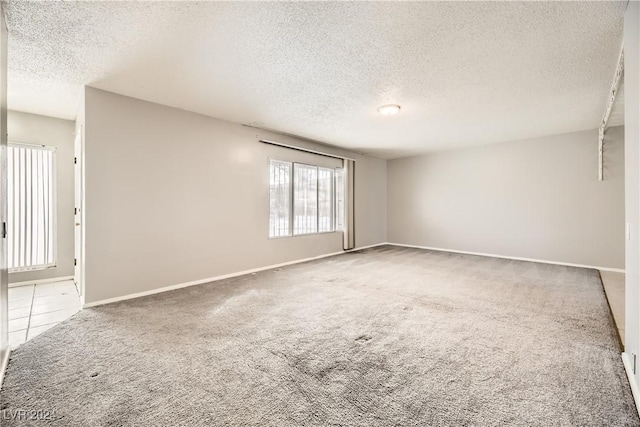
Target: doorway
{"x": 41, "y": 198}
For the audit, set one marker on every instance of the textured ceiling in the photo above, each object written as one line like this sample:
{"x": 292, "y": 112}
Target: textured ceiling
{"x": 464, "y": 73}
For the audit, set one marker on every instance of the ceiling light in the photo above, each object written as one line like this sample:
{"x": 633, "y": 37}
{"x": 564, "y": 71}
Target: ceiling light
{"x": 389, "y": 110}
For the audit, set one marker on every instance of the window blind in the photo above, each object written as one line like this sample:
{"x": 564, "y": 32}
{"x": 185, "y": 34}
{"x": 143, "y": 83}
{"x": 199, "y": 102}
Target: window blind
{"x": 31, "y": 207}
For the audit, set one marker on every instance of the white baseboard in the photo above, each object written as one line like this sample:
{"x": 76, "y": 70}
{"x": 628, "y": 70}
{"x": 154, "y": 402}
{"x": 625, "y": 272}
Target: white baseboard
{"x": 3, "y": 363}
{"x": 567, "y": 264}
{"x": 216, "y": 278}
{"x": 628, "y": 367}
{"x": 39, "y": 282}
{"x": 269, "y": 267}
{"x": 365, "y": 247}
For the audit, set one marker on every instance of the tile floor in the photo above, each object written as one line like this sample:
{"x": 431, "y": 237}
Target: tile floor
{"x": 35, "y": 308}
{"x": 614, "y": 288}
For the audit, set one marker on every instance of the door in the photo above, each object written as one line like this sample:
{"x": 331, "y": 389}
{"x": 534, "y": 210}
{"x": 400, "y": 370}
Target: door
{"x": 78, "y": 214}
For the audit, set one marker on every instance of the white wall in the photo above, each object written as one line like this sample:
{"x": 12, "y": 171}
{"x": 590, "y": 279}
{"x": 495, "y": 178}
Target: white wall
{"x": 538, "y": 199}
{"x": 79, "y": 242}
{"x": 35, "y": 129}
{"x": 370, "y": 195}
{"x": 173, "y": 197}
{"x": 4, "y": 309}
{"x": 632, "y": 188}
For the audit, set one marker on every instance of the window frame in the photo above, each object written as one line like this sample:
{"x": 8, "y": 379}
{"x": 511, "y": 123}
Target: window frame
{"x": 334, "y": 205}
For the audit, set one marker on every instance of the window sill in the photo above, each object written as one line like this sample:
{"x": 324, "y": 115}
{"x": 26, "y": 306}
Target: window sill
{"x": 305, "y": 235}
{"x": 31, "y": 269}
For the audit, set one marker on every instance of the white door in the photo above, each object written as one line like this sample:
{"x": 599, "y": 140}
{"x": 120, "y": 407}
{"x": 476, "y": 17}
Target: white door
{"x": 78, "y": 214}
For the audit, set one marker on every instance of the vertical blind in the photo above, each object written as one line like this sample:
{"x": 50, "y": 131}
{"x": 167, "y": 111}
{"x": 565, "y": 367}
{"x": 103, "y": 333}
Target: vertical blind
{"x": 31, "y": 207}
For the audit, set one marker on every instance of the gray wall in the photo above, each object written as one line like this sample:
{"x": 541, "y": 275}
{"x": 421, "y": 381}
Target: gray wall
{"x": 173, "y": 197}
{"x": 632, "y": 183}
{"x": 538, "y": 199}
{"x": 34, "y": 129}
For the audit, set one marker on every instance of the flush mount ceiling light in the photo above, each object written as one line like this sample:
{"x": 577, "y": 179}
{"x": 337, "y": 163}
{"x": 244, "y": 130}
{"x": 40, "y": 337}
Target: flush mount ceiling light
{"x": 389, "y": 109}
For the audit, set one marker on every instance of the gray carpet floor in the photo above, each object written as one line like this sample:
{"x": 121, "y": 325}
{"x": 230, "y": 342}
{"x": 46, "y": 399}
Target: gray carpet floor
{"x": 384, "y": 336}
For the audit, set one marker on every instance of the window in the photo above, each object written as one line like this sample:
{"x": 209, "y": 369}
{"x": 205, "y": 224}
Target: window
{"x": 325, "y": 200}
{"x": 339, "y": 199}
{"x": 31, "y": 207}
{"x": 279, "y": 199}
{"x": 304, "y": 199}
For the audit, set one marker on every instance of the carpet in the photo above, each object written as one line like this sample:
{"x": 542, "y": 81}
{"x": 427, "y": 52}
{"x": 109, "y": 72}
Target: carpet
{"x": 379, "y": 337}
